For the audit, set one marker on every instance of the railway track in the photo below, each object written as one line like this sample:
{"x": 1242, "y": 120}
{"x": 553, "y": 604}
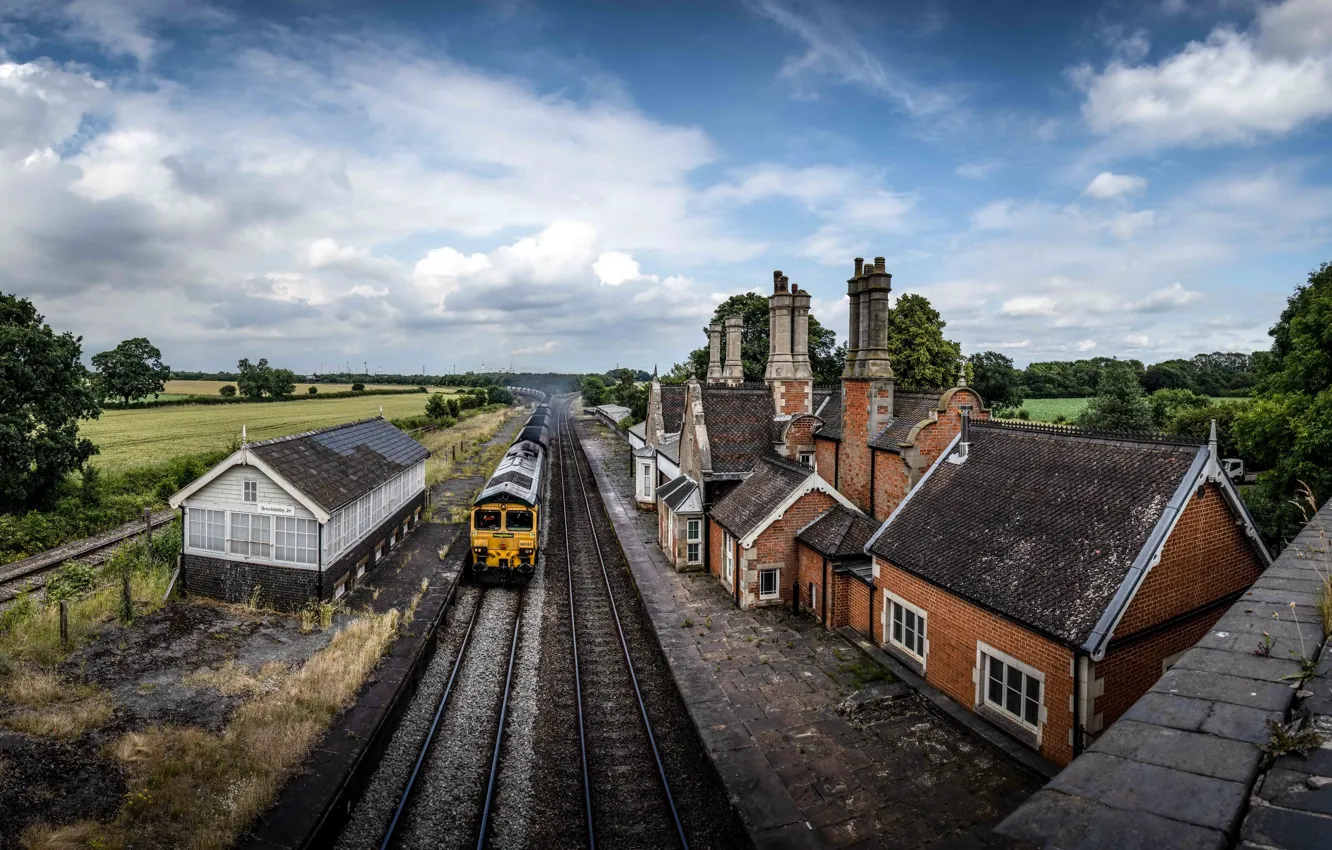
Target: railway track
{"x": 31, "y": 574}
{"x": 634, "y": 805}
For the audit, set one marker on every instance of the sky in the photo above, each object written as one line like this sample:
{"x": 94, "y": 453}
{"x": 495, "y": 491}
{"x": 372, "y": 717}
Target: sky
{"x": 575, "y": 186}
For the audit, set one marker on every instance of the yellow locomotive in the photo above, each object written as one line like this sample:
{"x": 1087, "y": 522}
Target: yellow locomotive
{"x": 506, "y": 516}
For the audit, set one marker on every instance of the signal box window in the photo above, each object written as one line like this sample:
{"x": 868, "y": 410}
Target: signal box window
{"x": 487, "y": 520}
{"x": 518, "y": 520}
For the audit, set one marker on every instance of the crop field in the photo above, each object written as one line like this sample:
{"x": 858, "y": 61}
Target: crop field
{"x": 1047, "y": 409}
{"x": 180, "y": 389}
{"x": 133, "y": 437}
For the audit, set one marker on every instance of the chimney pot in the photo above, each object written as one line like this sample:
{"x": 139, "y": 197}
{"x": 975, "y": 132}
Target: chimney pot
{"x": 879, "y": 264}
{"x": 860, "y": 266}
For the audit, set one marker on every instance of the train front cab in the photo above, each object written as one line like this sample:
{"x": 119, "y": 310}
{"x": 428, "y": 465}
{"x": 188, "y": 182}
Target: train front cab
{"x": 504, "y": 542}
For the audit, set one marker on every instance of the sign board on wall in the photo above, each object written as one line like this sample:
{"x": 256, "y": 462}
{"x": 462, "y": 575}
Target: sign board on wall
{"x": 277, "y": 510}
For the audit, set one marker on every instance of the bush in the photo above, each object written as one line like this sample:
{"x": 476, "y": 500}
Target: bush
{"x": 455, "y": 409}
{"x": 313, "y": 390}
{"x": 227, "y": 391}
{"x": 437, "y": 407}
{"x": 358, "y": 387}
{"x": 1023, "y": 413}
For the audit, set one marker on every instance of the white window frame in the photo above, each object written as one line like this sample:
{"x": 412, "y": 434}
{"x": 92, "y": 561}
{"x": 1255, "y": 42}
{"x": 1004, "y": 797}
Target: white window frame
{"x": 255, "y": 526}
{"x": 728, "y": 557}
{"x": 202, "y": 523}
{"x": 776, "y": 573}
{"x": 807, "y": 458}
{"x": 250, "y": 491}
{"x": 299, "y": 535}
{"x": 896, "y": 602}
{"x": 645, "y": 480}
{"x": 340, "y": 589}
{"x": 693, "y": 541}
{"x": 984, "y": 653}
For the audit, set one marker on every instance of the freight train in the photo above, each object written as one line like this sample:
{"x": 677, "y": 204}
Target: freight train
{"x": 506, "y": 516}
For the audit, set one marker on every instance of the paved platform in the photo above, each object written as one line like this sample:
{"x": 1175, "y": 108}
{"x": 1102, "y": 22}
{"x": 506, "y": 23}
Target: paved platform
{"x": 764, "y": 687}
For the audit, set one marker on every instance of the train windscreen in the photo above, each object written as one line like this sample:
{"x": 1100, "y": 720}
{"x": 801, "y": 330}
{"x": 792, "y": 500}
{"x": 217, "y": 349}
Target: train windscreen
{"x": 518, "y": 520}
{"x": 486, "y": 521}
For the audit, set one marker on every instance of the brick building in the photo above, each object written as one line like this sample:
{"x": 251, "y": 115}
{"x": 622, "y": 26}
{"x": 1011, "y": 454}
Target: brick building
{"x": 836, "y": 576}
{"x": 301, "y": 517}
{"x": 1046, "y": 577}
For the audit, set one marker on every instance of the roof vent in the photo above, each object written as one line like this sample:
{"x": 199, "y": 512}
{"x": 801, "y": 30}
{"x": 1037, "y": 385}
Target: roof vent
{"x": 964, "y": 439}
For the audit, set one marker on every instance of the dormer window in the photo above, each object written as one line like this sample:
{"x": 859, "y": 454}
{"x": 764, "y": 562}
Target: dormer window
{"x": 251, "y": 491}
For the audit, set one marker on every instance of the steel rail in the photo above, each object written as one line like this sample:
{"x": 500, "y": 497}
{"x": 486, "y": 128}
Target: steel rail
{"x": 434, "y": 727}
{"x": 573, "y": 633}
{"x": 499, "y": 733}
{"x": 571, "y": 436}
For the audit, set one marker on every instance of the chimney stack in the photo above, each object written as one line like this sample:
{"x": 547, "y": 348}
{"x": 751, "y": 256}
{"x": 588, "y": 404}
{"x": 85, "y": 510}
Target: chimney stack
{"x": 733, "y": 372}
{"x": 779, "y": 330}
{"x": 788, "y": 372}
{"x": 874, "y": 361}
{"x": 714, "y": 353}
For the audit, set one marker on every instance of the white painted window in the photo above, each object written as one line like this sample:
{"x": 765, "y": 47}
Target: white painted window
{"x": 645, "y": 488}
{"x": 1011, "y": 687}
{"x": 251, "y": 535}
{"x": 295, "y": 540}
{"x": 360, "y": 569}
{"x": 379, "y": 552}
{"x": 908, "y": 628}
{"x": 769, "y": 583}
{"x": 807, "y": 458}
{"x": 340, "y": 589}
{"x": 728, "y": 546}
{"x": 251, "y": 488}
{"x": 208, "y": 530}
{"x": 694, "y": 541}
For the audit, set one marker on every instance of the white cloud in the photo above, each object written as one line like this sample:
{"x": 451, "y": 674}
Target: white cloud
{"x": 547, "y": 347}
{"x": 834, "y": 47}
{"x": 1126, "y": 225}
{"x": 977, "y": 170}
{"x": 1086, "y": 345}
{"x": 1109, "y": 185}
{"x": 1164, "y": 300}
{"x": 1232, "y": 87}
{"x": 1028, "y": 305}
{"x": 615, "y": 267}
{"x": 1138, "y": 340}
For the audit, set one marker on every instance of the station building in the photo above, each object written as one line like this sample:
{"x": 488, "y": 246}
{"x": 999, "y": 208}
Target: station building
{"x": 1042, "y": 576}
{"x": 301, "y": 517}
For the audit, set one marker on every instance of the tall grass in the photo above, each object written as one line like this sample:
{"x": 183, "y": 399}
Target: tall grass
{"x": 190, "y": 789}
{"x": 467, "y": 434}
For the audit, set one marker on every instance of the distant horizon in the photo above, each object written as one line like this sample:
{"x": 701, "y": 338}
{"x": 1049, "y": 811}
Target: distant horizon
{"x": 583, "y": 182}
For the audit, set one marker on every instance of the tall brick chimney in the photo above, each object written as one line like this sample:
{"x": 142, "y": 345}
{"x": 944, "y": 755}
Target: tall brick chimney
{"x": 714, "y": 353}
{"x": 788, "y": 372}
{"x": 655, "y": 428}
{"x": 867, "y": 380}
{"x": 733, "y": 372}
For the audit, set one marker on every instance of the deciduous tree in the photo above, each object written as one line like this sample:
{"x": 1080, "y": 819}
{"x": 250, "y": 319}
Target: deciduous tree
{"x": 993, "y": 376}
{"x": 44, "y": 391}
{"x": 131, "y": 370}
{"x": 1119, "y": 404}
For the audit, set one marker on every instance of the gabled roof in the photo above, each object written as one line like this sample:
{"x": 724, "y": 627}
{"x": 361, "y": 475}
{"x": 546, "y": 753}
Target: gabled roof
{"x": 681, "y": 495}
{"x": 639, "y": 430}
{"x": 740, "y": 423}
{"x": 328, "y": 468}
{"x": 670, "y": 447}
{"x": 1040, "y": 525}
{"x": 909, "y": 410}
{"x": 766, "y": 494}
{"x": 831, "y": 414}
{"x": 838, "y": 533}
{"x": 672, "y": 407}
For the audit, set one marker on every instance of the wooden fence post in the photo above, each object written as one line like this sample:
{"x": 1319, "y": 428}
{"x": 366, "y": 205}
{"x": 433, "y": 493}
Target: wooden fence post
{"x": 148, "y": 528}
{"x": 64, "y": 623}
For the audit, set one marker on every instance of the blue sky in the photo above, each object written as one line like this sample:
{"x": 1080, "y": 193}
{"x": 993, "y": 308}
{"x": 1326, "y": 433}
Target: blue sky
{"x": 576, "y": 185}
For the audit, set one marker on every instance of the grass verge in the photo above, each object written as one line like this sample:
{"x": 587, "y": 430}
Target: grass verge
{"x": 194, "y": 790}
{"x": 468, "y": 433}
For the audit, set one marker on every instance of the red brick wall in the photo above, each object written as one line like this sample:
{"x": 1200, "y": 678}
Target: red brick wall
{"x": 953, "y": 627}
{"x": 841, "y": 600}
{"x": 811, "y": 570}
{"x": 1130, "y": 671}
{"x": 890, "y": 483}
{"x": 1206, "y": 557}
{"x": 825, "y": 456}
{"x": 776, "y": 546}
{"x": 858, "y": 615}
{"x": 792, "y": 398}
{"x": 854, "y": 472}
{"x": 716, "y": 564}
{"x": 935, "y": 437}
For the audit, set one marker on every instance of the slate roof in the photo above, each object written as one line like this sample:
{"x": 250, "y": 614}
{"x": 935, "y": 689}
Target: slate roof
{"x": 670, "y": 447}
{"x": 909, "y": 409}
{"x": 681, "y": 494}
{"x": 672, "y": 407}
{"x": 745, "y": 507}
{"x": 831, "y": 414}
{"x": 1039, "y": 526}
{"x": 839, "y": 533}
{"x": 740, "y": 423}
{"x": 337, "y": 465}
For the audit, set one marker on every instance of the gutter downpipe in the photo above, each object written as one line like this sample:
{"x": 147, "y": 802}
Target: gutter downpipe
{"x": 737, "y": 572}
{"x": 824, "y": 601}
{"x": 1077, "y": 704}
{"x": 872, "y": 465}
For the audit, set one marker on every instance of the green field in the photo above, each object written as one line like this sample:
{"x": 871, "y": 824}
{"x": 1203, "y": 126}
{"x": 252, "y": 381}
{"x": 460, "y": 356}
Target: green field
{"x": 1047, "y": 409}
{"x": 133, "y": 437}
{"x": 174, "y": 390}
